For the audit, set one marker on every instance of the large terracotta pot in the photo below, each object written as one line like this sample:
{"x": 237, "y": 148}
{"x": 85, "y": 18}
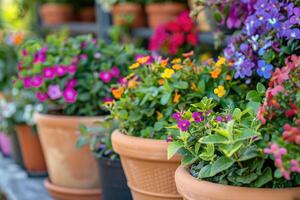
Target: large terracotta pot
{"x": 150, "y": 175}
{"x": 161, "y": 13}
{"x": 193, "y": 189}
{"x": 31, "y": 149}
{"x": 54, "y": 13}
{"x": 5, "y": 143}
{"x": 68, "y": 166}
{"x": 87, "y": 14}
{"x": 123, "y": 10}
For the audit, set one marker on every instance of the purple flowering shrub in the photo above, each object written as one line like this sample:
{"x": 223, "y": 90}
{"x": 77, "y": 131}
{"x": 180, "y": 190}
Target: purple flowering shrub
{"x": 270, "y": 34}
{"x": 226, "y": 147}
{"x": 72, "y": 76}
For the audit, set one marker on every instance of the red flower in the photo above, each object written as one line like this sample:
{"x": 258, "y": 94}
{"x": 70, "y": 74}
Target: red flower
{"x": 192, "y": 39}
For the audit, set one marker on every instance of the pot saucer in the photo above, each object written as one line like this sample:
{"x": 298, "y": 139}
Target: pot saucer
{"x": 65, "y": 193}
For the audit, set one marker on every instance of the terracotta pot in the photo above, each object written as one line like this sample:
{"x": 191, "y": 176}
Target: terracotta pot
{"x": 68, "y": 166}
{"x": 31, "y": 149}
{"x": 16, "y": 149}
{"x": 161, "y": 13}
{"x": 5, "y": 143}
{"x": 87, "y": 14}
{"x": 193, "y": 189}
{"x": 54, "y": 13}
{"x": 124, "y": 10}
{"x": 150, "y": 175}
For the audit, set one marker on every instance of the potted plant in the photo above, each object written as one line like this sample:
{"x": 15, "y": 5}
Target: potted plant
{"x": 56, "y": 12}
{"x": 144, "y": 105}
{"x": 176, "y": 36}
{"x": 125, "y": 12}
{"x": 235, "y": 152}
{"x": 87, "y": 10}
{"x": 161, "y": 11}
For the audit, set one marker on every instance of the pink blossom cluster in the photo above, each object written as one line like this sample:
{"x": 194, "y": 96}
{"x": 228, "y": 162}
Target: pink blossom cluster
{"x": 175, "y": 35}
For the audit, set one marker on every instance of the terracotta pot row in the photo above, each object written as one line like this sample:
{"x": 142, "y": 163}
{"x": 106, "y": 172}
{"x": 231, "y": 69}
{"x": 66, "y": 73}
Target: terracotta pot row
{"x": 157, "y": 13}
{"x": 53, "y": 13}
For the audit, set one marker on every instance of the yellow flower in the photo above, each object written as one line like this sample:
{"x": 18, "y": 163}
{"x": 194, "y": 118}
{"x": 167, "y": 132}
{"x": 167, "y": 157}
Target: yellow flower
{"x": 221, "y": 61}
{"x": 143, "y": 60}
{"x": 193, "y": 86}
{"x": 204, "y": 57}
{"x": 118, "y": 92}
{"x": 167, "y": 73}
{"x": 176, "y": 61}
{"x": 177, "y": 67}
{"x": 164, "y": 63}
{"x": 216, "y": 73}
{"x": 220, "y": 91}
{"x": 132, "y": 83}
{"x": 134, "y": 66}
{"x": 176, "y": 97}
{"x": 159, "y": 115}
{"x": 129, "y": 76}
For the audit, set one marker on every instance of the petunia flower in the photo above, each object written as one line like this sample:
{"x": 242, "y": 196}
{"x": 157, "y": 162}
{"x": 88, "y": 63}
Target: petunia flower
{"x": 184, "y": 124}
{"x": 42, "y": 97}
{"x": 60, "y": 70}
{"x": 105, "y": 76}
{"x": 71, "y": 83}
{"x": 54, "y": 92}
{"x": 49, "y": 73}
{"x": 70, "y": 95}
{"x": 198, "y": 117}
{"x": 36, "y": 81}
{"x": 115, "y": 72}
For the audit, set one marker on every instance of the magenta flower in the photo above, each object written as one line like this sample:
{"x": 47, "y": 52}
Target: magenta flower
{"x": 176, "y": 116}
{"x": 219, "y": 119}
{"x": 24, "y": 53}
{"x": 184, "y": 124}
{"x": 37, "y": 81}
{"x": 107, "y": 100}
{"x": 54, "y": 92}
{"x": 122, "y": 81}
{"x": 198, "y": 117}
{"x": 60, "y": 70}
{"x": 70, "y": 95}
{"x": 115, "y": 72}
{"x": 49, "y": 73}
{"x": 105, "y": 76}
{"x": 71, "y": 83}
{"x": 42, "y": 97}
{"x": 72, "y": 68}
{"x": 27, "y": 82}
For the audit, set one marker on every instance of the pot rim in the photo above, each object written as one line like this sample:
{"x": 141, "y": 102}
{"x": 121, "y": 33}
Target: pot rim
{"x": 68, "y": 117}
{"x": 141, "y": 148}
{"x": 183, "y": 178}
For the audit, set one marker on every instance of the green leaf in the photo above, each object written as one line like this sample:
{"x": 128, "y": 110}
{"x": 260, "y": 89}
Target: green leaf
{"x": 181, "y": 85}
{"x": 188, "y": 160}
{"x": 230, "y": 149}
{"x": 134, "y": 116}
{"x": 222, "y": 132}
{"x": 261, "y": 89}
{"x": 264, "y": 178}
{"x": 249, "y": 153}
{"x": 165, "y": 98}
{"x": 208, "y": 153}
{"x": 246, "y": 179}
{"x": 201, "y": 86}
{"x": 158, "y": 126}
{"x": 205, "y": 172}
{"x": 123, "y": 114}
{"x": 237, "y": 114}
{"x": 82, "y": 141}
{"x": 220, "y": 165}
{"x": 173, "y": 148}
{"x": 245, "y": 135}
{"x": 214, "y": 139}
{"x": 218, "y": 17}
{"x": 253, "y": 96}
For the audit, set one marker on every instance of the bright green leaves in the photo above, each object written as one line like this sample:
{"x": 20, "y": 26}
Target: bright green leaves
{"x": 173, "y": 148}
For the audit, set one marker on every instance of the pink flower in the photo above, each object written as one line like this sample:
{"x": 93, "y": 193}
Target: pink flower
{"x": 54, "y": 92}
{"x": 115, "y": 72}
{"x": 60, "y": 70}
{"x": 70, "y": 95}
{"x": 173, "y": 26}
{"x": 71, "y": 83}
{"x": 27, "y": 82}
{"x": 105, "y": 76}
{"x": 192, "y": 39}
{"x": 122, "y": 81}
{"x": 49, "y": 73}
{"x": 41, "y": 96}
{"x": 83, "y": 56}
{"x": 107, "y": 100}
{"x": 261, "y": 115}
{"x": 274, "y": 91}
{"x": 72, "y": 68}
{"x": 24, "y": 53}
{"x": 37, "y": 81}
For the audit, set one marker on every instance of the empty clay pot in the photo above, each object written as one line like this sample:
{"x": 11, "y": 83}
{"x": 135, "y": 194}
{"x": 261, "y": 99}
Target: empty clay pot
{"x": 68, "y": 166}
{"x": 55, "y": 13}
{"x": 150, "y": 175}
{"x": 31, "y": 149}
{"x": 123, "y": 11}
{"x": 193, "y": 189}
{"x": 161, "y": 13}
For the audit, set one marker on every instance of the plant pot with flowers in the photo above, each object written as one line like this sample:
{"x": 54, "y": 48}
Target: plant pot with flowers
{"x": 160, "y": 11}
{"x": 56, "y": 12}
{"x": 145, "y": 103}
{"x": 68, "y": 75}
{"x": 126, "y": 12}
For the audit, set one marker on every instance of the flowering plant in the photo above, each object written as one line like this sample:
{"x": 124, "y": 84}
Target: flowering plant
{"x": 175, "y": 37}
{"x": 73, "y": 75}
{"x": 270, "y": 34}
{"x": 148, "y": 97}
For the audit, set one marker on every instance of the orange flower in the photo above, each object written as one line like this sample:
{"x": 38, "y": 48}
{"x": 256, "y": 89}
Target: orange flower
{"x": 164, "y": 63}
{"x": 132, "y": 83}
{"x": 193, "y": 86}
{"x": 159, "y": 115}
{"x": 118, "y": 92}
{"x": 143, "y": 60}
{"x": 228, "y": 78}
{"x": 18, "y": 38}
{"x": 188, "y": 54}
{"x": 161, "y": 81}
{"x": 176, "y": 97}
{"x": 176, "y": 61}
{"x": 216, "y": 73}
{"x": 177, "y": 67}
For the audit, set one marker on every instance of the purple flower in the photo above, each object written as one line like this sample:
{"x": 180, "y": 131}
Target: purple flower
{"x": 229, "y": 118}
{"x": 42, "y": 97}
{"x": 293, "y": 33}
{"x": 24, "y": 53}
{"x": 83, "y": 57}
{"x": 264, "y": 69}
{"x": 70, "y": 95}
{"x": 40, "y": 56}
{"x": 49, "y": 73}
{"x": 115, "y": 72}
{"x": 37, "y": 81}
{"x": 60, "y": 70}
{"x": 107, "y": 99}
{"x": 54, "y": 92}
{"x": 295, "y": 19}
{"x": 184, "y": 124}
{"x": 208, "y": 113}
{"x": 198, "y": 117}
{"x": 105, "y": 76}
{"x": 176, "y": 116}
{"x": 219, "y": 119}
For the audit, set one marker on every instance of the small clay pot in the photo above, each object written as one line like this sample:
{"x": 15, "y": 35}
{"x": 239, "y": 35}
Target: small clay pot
{"x": 193, "y": 189}
{"x": 161, "y": 13}
{"x": 54, "y": 13}
{"x": 31, "y": 149}
{"x": 150, "y": 175}
{"x": 125, "y": 10}
{"x": 87, "y": 14}
{"x": 68, "y": 166}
